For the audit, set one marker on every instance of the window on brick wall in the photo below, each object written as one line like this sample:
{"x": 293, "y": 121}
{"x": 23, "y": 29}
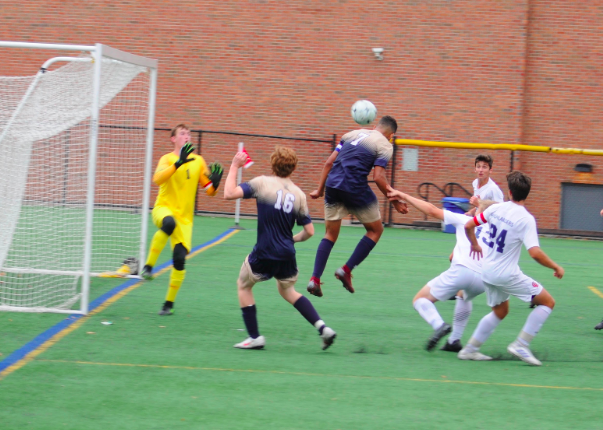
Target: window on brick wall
{"x": 581, "y": 206}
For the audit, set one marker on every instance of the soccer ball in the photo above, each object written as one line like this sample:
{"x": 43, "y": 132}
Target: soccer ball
{"x": 364, "y": 112}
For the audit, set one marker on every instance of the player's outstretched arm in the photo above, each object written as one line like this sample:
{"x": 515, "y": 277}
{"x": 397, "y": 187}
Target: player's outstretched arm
{"x": 231, "y": 190}
{"x": 305, "y": 234}
{"x": 541, "y": 258}
{"x": 320, "y": 191}
{"x": 476, "y": 250}
{"x": 423, "y": 206}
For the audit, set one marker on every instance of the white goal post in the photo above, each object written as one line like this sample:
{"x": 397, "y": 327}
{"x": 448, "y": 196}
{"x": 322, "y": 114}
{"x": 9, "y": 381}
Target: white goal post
{"x": 76, "y": 146}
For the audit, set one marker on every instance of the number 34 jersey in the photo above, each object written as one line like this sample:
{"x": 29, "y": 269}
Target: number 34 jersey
{"x": 509, "y": 225}
{"x": 280, "y": 205}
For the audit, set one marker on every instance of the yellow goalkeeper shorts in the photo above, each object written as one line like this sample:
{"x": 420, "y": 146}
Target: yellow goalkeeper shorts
{"x": 183, "y": 233}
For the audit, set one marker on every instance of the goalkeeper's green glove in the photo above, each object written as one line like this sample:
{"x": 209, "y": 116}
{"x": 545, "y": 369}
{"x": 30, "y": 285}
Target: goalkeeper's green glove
{"x": 185, "y": 151}
{"x": 215, "y": 175}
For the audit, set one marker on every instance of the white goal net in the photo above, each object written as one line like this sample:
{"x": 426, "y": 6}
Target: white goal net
{"x": 74, "y": 168}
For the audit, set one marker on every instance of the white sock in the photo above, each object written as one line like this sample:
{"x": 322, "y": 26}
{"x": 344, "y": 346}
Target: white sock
{"x": 533, "y": 324}
{"x": 428, "y": 312}
{"x": 462, "y": 312}
{"x": 485, "y": 328}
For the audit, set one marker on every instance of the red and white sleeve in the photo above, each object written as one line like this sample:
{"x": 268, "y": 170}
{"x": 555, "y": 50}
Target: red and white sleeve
{"x": 479, "y": 219}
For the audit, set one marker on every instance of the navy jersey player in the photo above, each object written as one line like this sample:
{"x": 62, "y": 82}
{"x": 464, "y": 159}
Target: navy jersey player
{"x": 344, "y": 184}
{"x": 281, "y": 204}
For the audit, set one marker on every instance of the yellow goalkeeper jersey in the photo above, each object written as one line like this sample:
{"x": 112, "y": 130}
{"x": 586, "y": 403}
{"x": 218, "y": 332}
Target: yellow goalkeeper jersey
{"x": 178, "y": 190}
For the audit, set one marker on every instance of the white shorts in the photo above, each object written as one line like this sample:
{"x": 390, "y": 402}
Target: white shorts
{"x": 456, "y": 278}
{"x": 523, "y": 287}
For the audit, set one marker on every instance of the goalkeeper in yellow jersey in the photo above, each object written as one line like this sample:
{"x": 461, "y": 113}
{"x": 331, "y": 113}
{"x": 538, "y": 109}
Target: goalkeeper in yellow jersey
{"x": 178, "y": 175}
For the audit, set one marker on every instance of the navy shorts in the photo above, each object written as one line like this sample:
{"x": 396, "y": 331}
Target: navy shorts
{"x": 278, "y": 269}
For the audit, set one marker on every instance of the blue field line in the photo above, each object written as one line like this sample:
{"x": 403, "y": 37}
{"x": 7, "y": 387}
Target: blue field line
{"x": 32, "y": 345}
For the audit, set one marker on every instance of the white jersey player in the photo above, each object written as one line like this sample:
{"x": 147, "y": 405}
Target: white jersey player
{"x": 510, "y": 226}
{"x": 464, "y": 274}
{"x": 484, "y": 187}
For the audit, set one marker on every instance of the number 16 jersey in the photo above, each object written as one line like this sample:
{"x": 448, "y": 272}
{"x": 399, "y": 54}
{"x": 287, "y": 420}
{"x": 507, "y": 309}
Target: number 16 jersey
{"x": 510, "y": 225}
{"x": 280, "y": 205}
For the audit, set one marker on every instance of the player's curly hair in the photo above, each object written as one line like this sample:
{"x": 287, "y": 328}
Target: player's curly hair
{"x": 176, "y": 129}
{"x": 283, "y": 161}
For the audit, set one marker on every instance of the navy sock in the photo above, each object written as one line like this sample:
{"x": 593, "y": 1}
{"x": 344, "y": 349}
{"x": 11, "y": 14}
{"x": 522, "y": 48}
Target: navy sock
{"x": 364, "y": 247}
{"x": 304, "y": 306}
{"x": 322, "y": 255}
{"x": 251, "y": 321}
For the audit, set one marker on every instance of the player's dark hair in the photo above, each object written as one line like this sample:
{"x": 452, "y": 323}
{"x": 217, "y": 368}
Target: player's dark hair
{"x": 519, "y": 185}
{"x": 389, "y": 123}
{"x": 283, "y": 161}
{"x": 484, "y": 158}
{"x": 176, "y": 129}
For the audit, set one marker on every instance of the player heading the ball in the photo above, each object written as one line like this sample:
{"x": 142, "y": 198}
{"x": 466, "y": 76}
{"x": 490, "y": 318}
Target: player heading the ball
{"x": 344, "y": 184}
{"x": 178, "y": 175}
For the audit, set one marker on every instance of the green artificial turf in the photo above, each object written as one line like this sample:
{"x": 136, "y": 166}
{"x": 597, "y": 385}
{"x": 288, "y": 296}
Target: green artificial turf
{"x": 145, "y": 371}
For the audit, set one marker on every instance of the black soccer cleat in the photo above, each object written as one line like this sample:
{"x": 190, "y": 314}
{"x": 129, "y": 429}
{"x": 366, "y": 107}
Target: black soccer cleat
{"x": 437, "y": 336}
{"x": 167, "y": 309}
{"x": 599, "y": 326}
{"x": 147, "y": 272}
{"x": 452, "y": 347}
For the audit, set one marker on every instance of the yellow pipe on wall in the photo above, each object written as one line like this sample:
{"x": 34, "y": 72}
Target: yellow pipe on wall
{"x": 499, "y": 146}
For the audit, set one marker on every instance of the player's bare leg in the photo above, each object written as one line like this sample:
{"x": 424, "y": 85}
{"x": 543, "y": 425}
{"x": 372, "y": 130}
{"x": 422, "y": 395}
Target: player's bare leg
{"x": 374, "y": 230}
{"x": 247, "y": 303}
{"x": 521, "y": 346}
{"x": 332, "y": 229}
{"x": 482, "y": 332}
{"x": 424, "y": 305}
{"x": 305, "y": 308}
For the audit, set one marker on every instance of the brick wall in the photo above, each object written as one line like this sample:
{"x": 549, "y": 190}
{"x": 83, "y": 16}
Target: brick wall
{"x": 511, "y": 71}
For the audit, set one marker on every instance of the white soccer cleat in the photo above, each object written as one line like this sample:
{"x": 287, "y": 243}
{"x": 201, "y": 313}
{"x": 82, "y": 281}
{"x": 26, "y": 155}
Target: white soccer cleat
{"x": 328, "y": 337}
{"x": 523, "y": 352}
{"x": 464, "y": 354}
{"x": 251, "y": 343}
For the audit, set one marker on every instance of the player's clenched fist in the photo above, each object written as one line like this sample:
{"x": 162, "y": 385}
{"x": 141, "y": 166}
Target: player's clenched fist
{"x": 400, "y": 207}
{"x": 239, "y": 159}
{"x": 316, "y": 194}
